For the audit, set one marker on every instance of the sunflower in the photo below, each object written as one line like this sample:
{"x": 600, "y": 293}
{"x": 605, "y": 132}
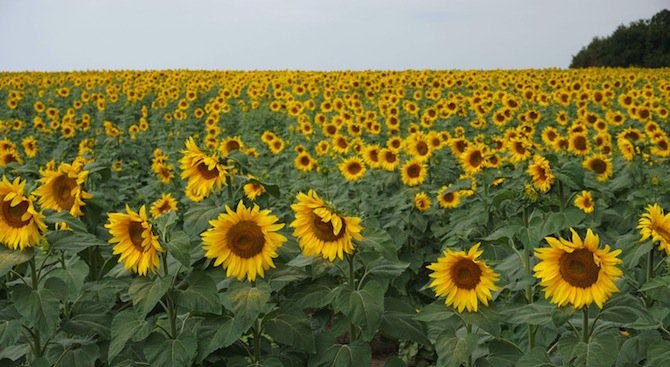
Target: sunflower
{"x": 540, "y": 172}
{"x": 304, "y": 162}
{"x": 253, "y": 189}
{"x": 30, "y": 146}
{"x": 9, "y": 156}
{"x": 417, "y": 145}
{"x": 163, "y": 205}
{"x": 578, "y": 143}
{"x": 448, "y": 199}
{"x": 519, "y": 148}
{"x": 243, "y": 241}
{"x": 371, "y": 155}
{"x": 422, "y": 201}
{"x": 353, "y": 169}
{"x": 134, "y": 240}
{"x": 584, "y": 201}
{"x": 203, "y": 172}
{"x": 321, "y": 230}
{"x": 472, "y": 159}
{"x": 164, "y": 171}
{"x": 463, "y": 279}
{"x": 599, "y": 164}
{"x": 21, "y": 225}
{"x": 390, "y": 160}
{"x": 276, "y": 146}
{"x": 231, "y": 144}
{"x": 655, "y": 224}
{"x": 577, "y": 272}
{"x": 63, "y": 188}
{"x": 413, "y": 172}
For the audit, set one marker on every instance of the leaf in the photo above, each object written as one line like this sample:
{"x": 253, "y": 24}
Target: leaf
{"x": 10, "y": 331}
{"x": 38, "y": 308}
{"x": 292, "y": 329}
{"x": 53, "y": 217}
{"x": 453, "y": 351}
{"x": 164, "y": 352}
{"x": 315, "y": 296}
{"x": 364, "y": 307}
{"x": 197, "y": 218}
{"x": 146, "y": 293}
{"x": 219, "y": 332}
{"x": 597, "y": 353}
{"x": 385, "y": 268}
{"x": 631, "y": 258}
{"x": 73, "y": 276}
{"x": 398, "y": 321}
{"x": 88, "y": 318}
{"x": 11, "y": 258}
{"x": 485, "y": 318}
{"x": 377, "y": 239}
{"x": 79, "y": 356}
{"x": 201, "y": 294}
{"x": 538, "y": 313}
{"x": 434, "y": 312}
{"x": 245, "y": 301}
{"x": 503, "y": 352}
{"x": 623, "y": 308}
{"x": 125, "y": 325}
{"x": 507, "y": 231}
{"x": 72, "y": 242}
{"x": 658, "y": 354}
{"x": 343, "y": 355}
{"x": 180, "y": 247}
{"x": 537, "y": 357}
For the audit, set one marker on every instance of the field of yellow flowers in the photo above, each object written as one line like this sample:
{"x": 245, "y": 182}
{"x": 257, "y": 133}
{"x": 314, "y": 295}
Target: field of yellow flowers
{"x": 415, "y": 218}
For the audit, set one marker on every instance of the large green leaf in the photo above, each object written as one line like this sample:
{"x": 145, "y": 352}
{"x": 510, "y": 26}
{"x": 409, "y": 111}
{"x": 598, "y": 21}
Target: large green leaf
{"x": 600, "y": 351}
{"x": 39, "y": 308}
{"x": 219, "y": 332}
{"x": 364, "y": 307}
{"x": 200, "y": 295}
{"x": 88, "y": 318}
{"x": 378, "y": 240}
{"x": 76, "y": 355}
{"x": 536, "y": 357}
{"x": 165, "y": 352}
{"x": 126, "y": 325}
{"x": 399, "y": 322}
{"x": 292, "y": 329}
{"x": 11, "y": 258}
{"x": 72, "y": 242}
{"x": 10, "y": 331}
{"x": 197, "y": 218}
{"x": 72, "y": 275}
{"x": 343, "y": 355}
{"x": 146, "y": 292}
{"x": 453, "y": 351}
{"x": 658, "y": 354}
{"x": 180, "y": 247}
{"x": 246, "y": 302}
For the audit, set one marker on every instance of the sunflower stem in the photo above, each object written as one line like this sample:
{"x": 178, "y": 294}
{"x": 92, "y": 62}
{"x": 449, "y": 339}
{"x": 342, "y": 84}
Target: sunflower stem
{"x": 257, "y": 340}
{"x": 352, "y": 284}
{"x": 650, "y": 264}
{"x": 229, "y": 187}
{"x": 33, "y": 273}
{"x": 468, "y": 328}
{"x": 585, "y": 327}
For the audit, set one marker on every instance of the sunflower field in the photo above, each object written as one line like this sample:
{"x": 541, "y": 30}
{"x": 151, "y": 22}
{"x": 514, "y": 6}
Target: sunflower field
{"x": 288, "y": 218}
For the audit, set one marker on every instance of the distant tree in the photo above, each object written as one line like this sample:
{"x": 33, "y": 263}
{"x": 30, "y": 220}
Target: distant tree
{"x": 644, "y": 43}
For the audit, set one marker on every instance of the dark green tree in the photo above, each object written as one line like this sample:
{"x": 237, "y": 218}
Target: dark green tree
{"x": 644, "y": 43}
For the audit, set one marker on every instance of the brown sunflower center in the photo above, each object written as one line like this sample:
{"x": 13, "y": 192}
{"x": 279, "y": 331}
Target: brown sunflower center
{"x": 422, "y": 148}
{"x": 12, "y": 214}
{"x": 63, "y": 186}
{"x": 206, "y": 173}
{"x": 232, "y": 145}
{"x": 414, "y": 171}
{"x": 390, "y": 157}
{"x": 598, "y": 166}
{"x": 135, "y": 230}
{"x": 661, "y": 231}
{"x": 578, "y": 268}
{"x": 475, "y": 158}
{"x": 325, "y": 231}
{"x": 304, "y": 161}
{"x": 354, "y": 168}
{"x": 579, "y": 142}
{"x": 448, "y": 197}
{"x": 245, "y": 239}
{"x": 466, "y": 274}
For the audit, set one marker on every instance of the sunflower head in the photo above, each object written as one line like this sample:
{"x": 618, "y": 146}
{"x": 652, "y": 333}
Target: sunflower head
{"x": 422, "y": 201}
{"x": 541, "y": 173}
{"x": 584, "y": 201}
{"x": 413, "y": 172}
{"x": 164, "y": 205}
{"x": 448, "y": 198}
{"x": 63, "y": 188}
{"x": 134, "y": 240}
{"x": 577, "y": 271}
{"x": 21, "y": 225}
{"x": 654, "y": 224}
{"x": 601, "y": 165}
{"x": 463, "y": 279}
{"x": 353, "y": 169}
{"x": 243, "y": 241}
{"x": 321, "y": 230}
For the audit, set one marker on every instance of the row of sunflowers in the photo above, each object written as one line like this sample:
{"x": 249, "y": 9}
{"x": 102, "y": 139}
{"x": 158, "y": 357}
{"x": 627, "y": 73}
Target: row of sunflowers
{"x": 434, "y": 218}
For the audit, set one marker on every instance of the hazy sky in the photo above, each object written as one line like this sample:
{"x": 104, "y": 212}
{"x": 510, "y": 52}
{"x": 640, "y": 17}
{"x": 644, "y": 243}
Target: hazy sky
{"x": 305, "y": 34}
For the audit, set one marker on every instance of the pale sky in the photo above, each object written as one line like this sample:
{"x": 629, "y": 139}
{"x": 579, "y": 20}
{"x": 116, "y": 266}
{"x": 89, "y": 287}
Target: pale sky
{"x": 305, "y": 34}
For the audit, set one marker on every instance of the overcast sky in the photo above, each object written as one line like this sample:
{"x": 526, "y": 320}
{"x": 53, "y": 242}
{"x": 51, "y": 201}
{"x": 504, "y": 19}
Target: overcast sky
{"x": 305, "y": 34}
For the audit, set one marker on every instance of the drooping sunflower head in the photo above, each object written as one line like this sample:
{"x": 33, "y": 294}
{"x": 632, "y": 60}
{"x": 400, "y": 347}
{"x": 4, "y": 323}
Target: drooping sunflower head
{"x": 321, "y": 230}
{"x": 203, "y": 172}
{"x": 541, "y": 173}
{"x": 413, "y": 172}
{"x": 353, "y": 168}
{"x": 63, "y": 188}
{"x": 584, "y": 201}
{"x": 164, "y": 205}
{"x": 253, "y": 189}
{"x": 578, "y": 272}
{"x": 21, "y": 225}
{"x": 134, "y": 240}
{"x": 601, "y": 165}
{"x": 243, "y": 241}
{"x": 654, "y": 224}
{"x": 422, "y": 201}
{"x": 463, "y": 279}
